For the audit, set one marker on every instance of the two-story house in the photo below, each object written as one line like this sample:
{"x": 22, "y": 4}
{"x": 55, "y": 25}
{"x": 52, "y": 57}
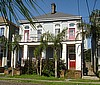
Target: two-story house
{"x": 53, "y": 22}
{"x": 7, "y": 30}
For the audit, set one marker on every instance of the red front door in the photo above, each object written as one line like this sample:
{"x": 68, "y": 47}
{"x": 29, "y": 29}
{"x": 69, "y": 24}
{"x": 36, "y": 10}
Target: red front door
{"x": 72, "y": 61}
{"x": 72, "y": 56}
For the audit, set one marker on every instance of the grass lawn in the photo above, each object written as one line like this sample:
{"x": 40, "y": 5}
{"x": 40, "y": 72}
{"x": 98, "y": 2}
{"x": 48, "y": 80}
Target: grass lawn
{"x": 34, "y": 76}
{"x": 36, "y": 79}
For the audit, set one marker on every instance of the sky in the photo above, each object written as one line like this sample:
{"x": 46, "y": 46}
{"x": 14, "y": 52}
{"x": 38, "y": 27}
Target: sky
{"x": 74, "y": 7}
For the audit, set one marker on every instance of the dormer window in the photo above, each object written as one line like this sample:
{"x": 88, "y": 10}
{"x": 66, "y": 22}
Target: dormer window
{"x": 2, "y": 31}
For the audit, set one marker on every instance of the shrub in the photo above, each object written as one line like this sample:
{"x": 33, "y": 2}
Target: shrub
{"x": 29, "y": 67}
{"x": 48, "y": 67}
{"x": 98, "y": 74}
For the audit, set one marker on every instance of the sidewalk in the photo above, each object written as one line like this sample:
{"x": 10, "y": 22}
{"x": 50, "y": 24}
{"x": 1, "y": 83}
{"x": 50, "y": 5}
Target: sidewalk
{"x": 91, "y": 77}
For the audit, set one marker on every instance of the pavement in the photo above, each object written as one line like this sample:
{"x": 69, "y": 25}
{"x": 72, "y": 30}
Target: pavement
{"x": 91, "y": 77}
{"x": 3, "y": 82}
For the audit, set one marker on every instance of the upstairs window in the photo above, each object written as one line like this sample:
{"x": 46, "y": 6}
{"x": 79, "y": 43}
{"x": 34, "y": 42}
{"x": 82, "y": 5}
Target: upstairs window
{"x": 39, "y": 33}
{"x": 72, "y": 33}
{"x": 26, "y": 27}
{"x": 1, "y": 31}
{"x": 57, "y": 29}
{"x": 71, "y": 24}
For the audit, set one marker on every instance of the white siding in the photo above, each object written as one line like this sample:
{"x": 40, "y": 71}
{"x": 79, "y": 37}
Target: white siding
{"x": 48, "y": 27}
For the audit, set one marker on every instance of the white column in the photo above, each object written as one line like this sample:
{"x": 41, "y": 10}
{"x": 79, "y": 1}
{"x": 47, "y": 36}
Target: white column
{"x": 44, "y": 54}
{"x": 25, "y": 52}
{"x": 14, "y": 58}
{"x": 6, "y": 56}
{"x": 98, "y": 63}
{"x": 64, "y": 53}
{"x": 78, "y": 56}
{"x": 3, "y": 58}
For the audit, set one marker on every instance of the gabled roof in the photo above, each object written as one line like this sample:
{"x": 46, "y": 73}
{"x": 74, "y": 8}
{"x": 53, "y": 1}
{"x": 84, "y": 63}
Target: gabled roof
{"x": 53, "y": 17}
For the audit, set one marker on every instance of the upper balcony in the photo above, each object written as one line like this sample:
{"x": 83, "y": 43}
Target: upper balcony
{"x": 37, "y": 37}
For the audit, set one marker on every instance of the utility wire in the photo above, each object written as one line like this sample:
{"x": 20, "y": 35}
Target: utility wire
{"x": 94, "y": 4}
{"x": 78, "y": 7}
{"x": 88, "y": 7}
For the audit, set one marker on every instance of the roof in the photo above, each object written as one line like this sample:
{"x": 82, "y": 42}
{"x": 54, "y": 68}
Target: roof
{"x": 4, "y": 21}
{"x": 53, "y": 17}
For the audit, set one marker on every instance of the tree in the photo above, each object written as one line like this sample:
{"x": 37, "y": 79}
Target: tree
{"x": 11, "y": 9}
{"x": 95, "y": 24}
{"x": 13, "y": 46}
{"x": 95, "y": 36}
{"x": 36, "y": 54}
{"x": 42, "y": 47}
{"x": 56, "y": 42}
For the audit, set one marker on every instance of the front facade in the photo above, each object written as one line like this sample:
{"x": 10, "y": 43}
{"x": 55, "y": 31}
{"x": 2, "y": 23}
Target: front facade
{"x": 7, "y": 30}
{"x": 54, "y": 23}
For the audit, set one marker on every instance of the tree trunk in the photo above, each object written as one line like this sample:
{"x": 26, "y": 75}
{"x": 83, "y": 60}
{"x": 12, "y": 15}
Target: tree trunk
{"x": 55, "y": 68}
{"x": 13, "y": 64}
{"x": 40, "y": 66}
{"x": 55, "y": 56}
{"x": 37, "y": 66}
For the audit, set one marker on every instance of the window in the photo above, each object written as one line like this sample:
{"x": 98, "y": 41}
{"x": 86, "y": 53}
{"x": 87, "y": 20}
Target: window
{"x": 57, "y": 31}
{"x": 39, "y": 32}
{"x": 26, "y": 35}
{"x": 71, "y": 24}
{"x": 26, "y": 27}
{"x": 71, "y": 33}
{"x": 1, "y": 31}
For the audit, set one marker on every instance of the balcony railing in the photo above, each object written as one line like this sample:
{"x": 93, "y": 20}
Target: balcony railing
{"x": 36, "y": 38}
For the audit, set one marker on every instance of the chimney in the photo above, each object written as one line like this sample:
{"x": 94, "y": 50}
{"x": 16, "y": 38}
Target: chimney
{"x": 53, "y": 8}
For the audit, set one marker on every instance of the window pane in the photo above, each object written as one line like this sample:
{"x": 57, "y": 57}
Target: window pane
{"x": 57, "y": 31}
{"x": 26, "y": 27}
{"x": 1, "y": 31}
{"x": 71, "y": 33}
{"x": 39, "y": 32}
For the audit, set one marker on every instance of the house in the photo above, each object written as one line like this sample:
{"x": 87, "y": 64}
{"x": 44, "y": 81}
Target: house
{"x": 53, "y": 22}
{"x": 7, "y": 30}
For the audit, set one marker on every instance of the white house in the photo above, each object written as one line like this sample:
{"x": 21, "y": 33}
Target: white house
{"x": 7, "y": 30}
{"x": 53, "y": 22}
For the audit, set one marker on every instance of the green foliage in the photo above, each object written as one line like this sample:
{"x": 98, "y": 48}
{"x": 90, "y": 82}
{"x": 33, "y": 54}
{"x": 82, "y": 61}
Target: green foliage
{"x": 10, "y": 9}
{"x": 49, "y": 67}
{"x": 29, "y": 67}
{"x": 98, "y": 74}
{"x": 87, "y": 55}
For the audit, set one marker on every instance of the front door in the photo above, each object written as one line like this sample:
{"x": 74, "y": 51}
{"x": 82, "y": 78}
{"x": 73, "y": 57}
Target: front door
{"x": 72, "y": 56}
{"x": 72, "y": 61}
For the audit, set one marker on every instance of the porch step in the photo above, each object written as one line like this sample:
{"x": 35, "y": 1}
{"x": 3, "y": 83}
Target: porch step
{"x": 90, "y": 77}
